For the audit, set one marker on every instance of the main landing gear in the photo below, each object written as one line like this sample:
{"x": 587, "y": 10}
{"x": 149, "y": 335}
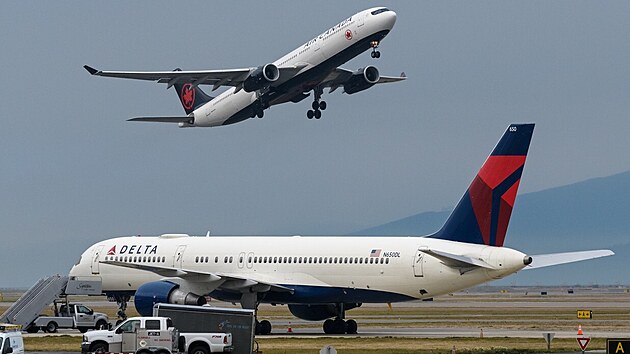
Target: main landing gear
{"x": 121, "y": 300}
{"x": 318, "y": 105}
{"x": 339, "y": 325}
{"x": 249, "y": 300}
{"x": 375, "y": 53}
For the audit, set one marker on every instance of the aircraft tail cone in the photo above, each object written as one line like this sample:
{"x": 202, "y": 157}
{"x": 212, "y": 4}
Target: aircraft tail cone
{"x": 580, "y": 333}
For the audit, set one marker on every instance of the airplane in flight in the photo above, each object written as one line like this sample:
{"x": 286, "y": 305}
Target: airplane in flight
{"x": 321, "y": 278}
{"x": 313, "y": 66}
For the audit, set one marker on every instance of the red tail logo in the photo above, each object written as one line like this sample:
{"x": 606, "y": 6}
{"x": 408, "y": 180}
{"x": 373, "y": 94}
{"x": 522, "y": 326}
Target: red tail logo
{"x": 112, "y": 251}
{"x": 188, "y": 96}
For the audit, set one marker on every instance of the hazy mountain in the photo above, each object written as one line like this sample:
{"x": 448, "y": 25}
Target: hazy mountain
{"x": 586, "y": 215}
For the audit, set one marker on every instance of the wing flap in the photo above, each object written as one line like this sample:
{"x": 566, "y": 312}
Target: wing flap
{"x": 547, "y": 260}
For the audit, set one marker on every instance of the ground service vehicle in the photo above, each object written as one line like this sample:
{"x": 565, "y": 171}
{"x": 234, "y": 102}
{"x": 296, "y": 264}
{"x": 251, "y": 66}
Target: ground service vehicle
{"x": 70, "y": 315}
{"x": 191, "y": 319}
{"x": 11, "y": 339}
{"x": 120, "y": 338}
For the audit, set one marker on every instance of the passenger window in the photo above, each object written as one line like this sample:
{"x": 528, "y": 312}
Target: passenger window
{"x": 225, "y": 259}
{"x": 386, "y": 260}
{"x": 231, "y": 259}
{"x": 216, "y": 259}
{"x": 360, "y": 260}
{"x": 152, "y": 324}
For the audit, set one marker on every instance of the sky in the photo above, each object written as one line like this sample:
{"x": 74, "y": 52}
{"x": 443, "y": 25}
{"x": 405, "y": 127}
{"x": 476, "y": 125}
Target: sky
{"x": 75, "y": 172}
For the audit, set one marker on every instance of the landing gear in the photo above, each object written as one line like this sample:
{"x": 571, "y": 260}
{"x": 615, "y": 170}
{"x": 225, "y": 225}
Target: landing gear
{"x": 318, "y": 105}
{"x": 250, "y": 301}
{"x": 121, "y": 300}
{"x": 263, "y": 327}
{"x": 339, "y": 325}
{"x": 260, "y": 114}
{"x": 375, "y": 53}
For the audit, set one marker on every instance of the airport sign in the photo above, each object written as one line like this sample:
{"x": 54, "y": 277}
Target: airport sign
{"x": 583, "y": 343}
{"x": 617, "y": 346}
{"x": 585, "y": 314}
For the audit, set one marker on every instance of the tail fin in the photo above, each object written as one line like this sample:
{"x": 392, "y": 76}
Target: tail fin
{"x": 190, "y": 96}
{"x": 483, "y": 213}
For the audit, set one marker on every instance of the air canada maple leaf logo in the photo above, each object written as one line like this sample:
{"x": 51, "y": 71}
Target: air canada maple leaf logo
{"x": 112, "y": 251}
{"x": 188, "y": 96}
{"x": 348, "y": 34}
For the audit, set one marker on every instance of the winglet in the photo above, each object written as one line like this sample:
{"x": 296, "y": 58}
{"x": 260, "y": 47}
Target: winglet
{"x": 90, "y": 69}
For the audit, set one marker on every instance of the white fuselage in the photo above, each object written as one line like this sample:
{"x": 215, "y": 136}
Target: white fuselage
{"x": 394, "y": 267}
{"x": 310, "y": 55}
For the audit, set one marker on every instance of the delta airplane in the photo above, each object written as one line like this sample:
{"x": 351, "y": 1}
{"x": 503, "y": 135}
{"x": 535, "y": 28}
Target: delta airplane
{"x": 313, "y": 66}
{"x": 320, "y": 278}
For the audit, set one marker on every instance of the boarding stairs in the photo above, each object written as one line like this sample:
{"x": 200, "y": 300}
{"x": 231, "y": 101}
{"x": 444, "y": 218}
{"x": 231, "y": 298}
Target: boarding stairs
{"x": 30, "y": 305}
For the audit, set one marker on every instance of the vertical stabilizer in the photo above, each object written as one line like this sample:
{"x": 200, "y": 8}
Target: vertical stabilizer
{"x": 483, "y": 213}
{"x": 190, "y": 96}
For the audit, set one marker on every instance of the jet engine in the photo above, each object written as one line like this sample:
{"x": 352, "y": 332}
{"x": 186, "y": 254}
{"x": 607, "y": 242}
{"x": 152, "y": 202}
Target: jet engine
{"x": 318, "y": 312}
{"x": 260, "y": 77}
{"x": 361, "y": 79}
{"x": 149, "y": 294}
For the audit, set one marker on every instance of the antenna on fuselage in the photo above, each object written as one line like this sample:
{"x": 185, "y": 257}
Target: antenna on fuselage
{"x": 208, "y": 233}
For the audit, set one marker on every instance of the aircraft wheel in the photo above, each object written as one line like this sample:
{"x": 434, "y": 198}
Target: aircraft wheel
{"x": 373, "y": 54}
{"x": 322, "y": 105}
{"x": 351, "y": 327}
{"x": 377, "y": 54}
{"x": 340, "y": 326}
{"x": 260, "y": 114}
{"x": 265, "y": 327}
{"x": 318, "y": 114}
{"x": 315, "y": 105}
{"x": 329, "y": 326}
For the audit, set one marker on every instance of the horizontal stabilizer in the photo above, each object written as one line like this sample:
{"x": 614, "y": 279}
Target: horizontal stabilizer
{"x": 546, "y": 260}
{"x": 456, "y": 260}
{"x": 182, "y": 119}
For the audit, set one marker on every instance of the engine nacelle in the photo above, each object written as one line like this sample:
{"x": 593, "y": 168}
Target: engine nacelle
{"x": 318, "y": 312}
{"x": 260, "y": 77}
{"x": 362, "y": 79}
{"x": 149, "y": 294}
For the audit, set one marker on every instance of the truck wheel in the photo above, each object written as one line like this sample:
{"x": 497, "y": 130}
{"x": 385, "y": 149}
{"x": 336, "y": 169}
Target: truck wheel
{"x": 199, "y": 350}
{"x": 51, "y": 327}
{"x": 101, "y": 324}
{"x": 32, "y": 329}
{"x": 99, "y": 347}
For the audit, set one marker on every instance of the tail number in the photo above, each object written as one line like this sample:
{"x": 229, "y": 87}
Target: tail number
{"x": 513, "y": 129}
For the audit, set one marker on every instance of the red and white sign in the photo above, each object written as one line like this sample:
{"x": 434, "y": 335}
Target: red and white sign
{"x": 583, "y": 342}
{"x": 348, "y": 34}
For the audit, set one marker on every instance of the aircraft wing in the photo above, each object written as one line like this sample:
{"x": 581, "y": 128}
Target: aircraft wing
{"x": 230, "y": 281}
{"x": 339, "y": 76}
{"x": 546, "y": 260}
{"x": 217, "y": 78}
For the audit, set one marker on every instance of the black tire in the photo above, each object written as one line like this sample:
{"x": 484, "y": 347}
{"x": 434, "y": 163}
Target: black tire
{"x": 265, "y": 327}
{"x": 315, "y": 105}
{"x": 322, "y": 105}
{"x": 351, "y": 327}
{"x": 99, "y": 347}
{"x": 329, "y": 326}
{"x": 373, "y": 54}
{"x": 51, "y": 327}
{"x": 377, "y": 54}
{"x": 260, "y": 114}
{"x": 198, "y": 349}
{"x": 101, "y": 324}
{"x": 310, "y": 114}
{"x": 318, "y": 114}
{"x": 32, "y": 329}
{"x": 82, "y": 329}
{"x": 340, "y": 326}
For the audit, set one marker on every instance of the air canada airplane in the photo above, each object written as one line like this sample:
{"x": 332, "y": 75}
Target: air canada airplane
{"x": 321, "y": 278}
{"x": 313, "y": 66}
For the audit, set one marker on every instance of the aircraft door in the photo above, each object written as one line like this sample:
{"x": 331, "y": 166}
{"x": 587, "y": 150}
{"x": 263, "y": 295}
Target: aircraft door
{"x": 241, "y": 260}
{"x": 418, "y": 263}
{"x": 96, "y": 257}
{"x": 178, "y": 258}
{"x": 250, "y": 258}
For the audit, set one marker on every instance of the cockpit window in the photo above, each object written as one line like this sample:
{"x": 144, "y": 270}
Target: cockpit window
{"x": 376, "y": 12}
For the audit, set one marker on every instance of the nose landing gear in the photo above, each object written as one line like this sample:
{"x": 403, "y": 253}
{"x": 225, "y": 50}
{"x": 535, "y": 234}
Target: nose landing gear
{"x": 375, "y": 53}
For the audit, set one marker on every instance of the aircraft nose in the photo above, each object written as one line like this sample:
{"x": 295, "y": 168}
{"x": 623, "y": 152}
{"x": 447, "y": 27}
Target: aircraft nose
{"x": 390, "y": 19}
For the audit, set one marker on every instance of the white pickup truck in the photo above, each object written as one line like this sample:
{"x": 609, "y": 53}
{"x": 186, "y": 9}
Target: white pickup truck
{"x": 113, "y": 340}
{"x": 67, "y": 315}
